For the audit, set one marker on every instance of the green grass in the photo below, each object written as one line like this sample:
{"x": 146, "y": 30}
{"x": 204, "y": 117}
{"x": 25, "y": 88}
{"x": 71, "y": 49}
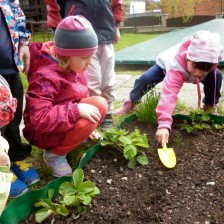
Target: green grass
{"x": 129, "y": 39}
{"x": 38, "y": 37}
{"x": 126, "y": 40}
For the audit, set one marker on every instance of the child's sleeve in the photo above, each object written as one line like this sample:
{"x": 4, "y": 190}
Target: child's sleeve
{"x": 24, "y": 34}
{"x": 172, "y": 84}
{"x": 118, "y": 11}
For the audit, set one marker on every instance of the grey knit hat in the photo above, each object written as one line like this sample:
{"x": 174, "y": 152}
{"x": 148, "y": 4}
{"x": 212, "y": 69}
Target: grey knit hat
{"x": 75, "y": 36}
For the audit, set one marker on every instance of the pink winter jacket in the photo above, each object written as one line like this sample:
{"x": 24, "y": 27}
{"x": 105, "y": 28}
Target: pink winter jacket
{"x": 174, "y": 63}
{"x": 52, "y": 98}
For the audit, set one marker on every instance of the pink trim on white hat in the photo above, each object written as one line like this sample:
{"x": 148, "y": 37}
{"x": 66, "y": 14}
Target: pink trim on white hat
{"x": 205, "y": 47}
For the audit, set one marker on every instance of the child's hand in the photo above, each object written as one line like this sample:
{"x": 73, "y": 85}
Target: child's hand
{"x": 117, "y": 36}
{"x": 25, "y": 56}
{"x": 162, "y": 136}
{"x": 4, "y": 159}
{"x": 95, "y": 135}
{"x": 89, "y": 112}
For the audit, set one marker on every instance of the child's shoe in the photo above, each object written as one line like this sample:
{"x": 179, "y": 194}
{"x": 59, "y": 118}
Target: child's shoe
{"x": 107, "y": 122}
{"x": 211, "y": 109}
{"x": 17, "y": 187}
{"x": 58, "y": 164}
{"x": 126, "y": 107}
{"x": 25, "y": 172}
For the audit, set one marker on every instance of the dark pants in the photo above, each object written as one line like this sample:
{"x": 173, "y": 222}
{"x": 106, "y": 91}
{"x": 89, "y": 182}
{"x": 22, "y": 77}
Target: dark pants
{"x": 155, "y": 75}
{"x": 17, "y": 150}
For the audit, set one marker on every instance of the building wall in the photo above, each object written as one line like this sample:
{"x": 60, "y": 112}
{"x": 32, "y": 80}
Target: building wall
{"x": 137, "y": 6}
{"x": 201, "y": 8}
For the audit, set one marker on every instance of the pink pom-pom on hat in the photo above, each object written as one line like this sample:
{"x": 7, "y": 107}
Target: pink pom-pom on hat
{"x": 205, "y": 47}
{"x": 75, "y": 36}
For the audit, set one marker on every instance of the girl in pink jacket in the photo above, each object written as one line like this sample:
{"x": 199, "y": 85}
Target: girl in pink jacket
{"x": 194, "y": 60}
{"x": 59, "y": 114}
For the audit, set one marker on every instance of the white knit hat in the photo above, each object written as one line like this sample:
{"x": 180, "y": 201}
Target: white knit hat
{"x": 205, "y": 47}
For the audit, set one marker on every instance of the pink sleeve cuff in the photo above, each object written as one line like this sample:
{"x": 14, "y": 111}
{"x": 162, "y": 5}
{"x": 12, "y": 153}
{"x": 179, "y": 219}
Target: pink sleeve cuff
{"x": 75, "y": 112}
{"x": 164, "y": 125}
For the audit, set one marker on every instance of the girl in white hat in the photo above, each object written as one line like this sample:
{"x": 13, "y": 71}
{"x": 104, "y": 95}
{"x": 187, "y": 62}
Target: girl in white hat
{"x": 194, "y": 60}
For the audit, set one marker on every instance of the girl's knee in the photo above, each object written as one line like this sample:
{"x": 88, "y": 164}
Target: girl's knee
{"x": 98, "y": 102}
{"x": 101, "y": 104}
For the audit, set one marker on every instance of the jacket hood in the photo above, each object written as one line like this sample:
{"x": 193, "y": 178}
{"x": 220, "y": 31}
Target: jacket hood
{"x": 182, "y": 54}
{"x": 38, "y": 56}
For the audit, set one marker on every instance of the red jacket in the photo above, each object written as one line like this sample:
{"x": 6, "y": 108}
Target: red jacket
{"x": 55, "y": 12}
{"x": 52, "y": 98}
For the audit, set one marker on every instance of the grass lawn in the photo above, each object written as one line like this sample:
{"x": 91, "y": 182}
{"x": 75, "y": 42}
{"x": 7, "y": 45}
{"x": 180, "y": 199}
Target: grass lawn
{"x": 129, "y": 39}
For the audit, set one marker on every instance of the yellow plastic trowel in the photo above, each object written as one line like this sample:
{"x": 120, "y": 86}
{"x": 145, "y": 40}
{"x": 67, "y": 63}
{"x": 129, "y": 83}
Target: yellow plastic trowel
{"x": 167, "y": 156}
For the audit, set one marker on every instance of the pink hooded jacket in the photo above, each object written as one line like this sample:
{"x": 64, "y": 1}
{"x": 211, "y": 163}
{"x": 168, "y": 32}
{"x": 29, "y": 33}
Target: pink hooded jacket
{"x": 52, "y": 98}
{"x": 174, "y": 63}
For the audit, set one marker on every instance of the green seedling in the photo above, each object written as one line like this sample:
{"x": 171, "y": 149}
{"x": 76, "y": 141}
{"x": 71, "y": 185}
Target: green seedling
{"x": 73, "y": 198}
{"x": 49, "y": 207}
{"x": 78, "y": 192}
{"x": 199, "y": 120}
{"x": 177, "y": 138}
{"x": 130, "y": 145}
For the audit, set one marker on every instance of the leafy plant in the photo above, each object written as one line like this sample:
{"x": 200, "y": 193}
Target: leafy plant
{"x": 146, "y": 110}
{"x": 129, "y": 144}
{"x": 78, "y": 193}
{"x": 199, "y": 120}
{"x": 73, "y": 197}
{"x": 49, "y": 207}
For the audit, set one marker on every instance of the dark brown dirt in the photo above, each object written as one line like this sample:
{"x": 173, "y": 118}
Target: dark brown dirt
{"x": 192, "y": 192}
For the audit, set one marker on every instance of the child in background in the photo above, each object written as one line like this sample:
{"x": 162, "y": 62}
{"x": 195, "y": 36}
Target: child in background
{"x": 8, "y": 106}
{"x": 194, "y": 60}
{"x": 105, "y": 17}
{"x": 59, "y": 115}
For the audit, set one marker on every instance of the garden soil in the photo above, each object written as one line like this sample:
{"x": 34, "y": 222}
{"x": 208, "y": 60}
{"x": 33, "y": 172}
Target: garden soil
{"x": 192, "y": 192}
